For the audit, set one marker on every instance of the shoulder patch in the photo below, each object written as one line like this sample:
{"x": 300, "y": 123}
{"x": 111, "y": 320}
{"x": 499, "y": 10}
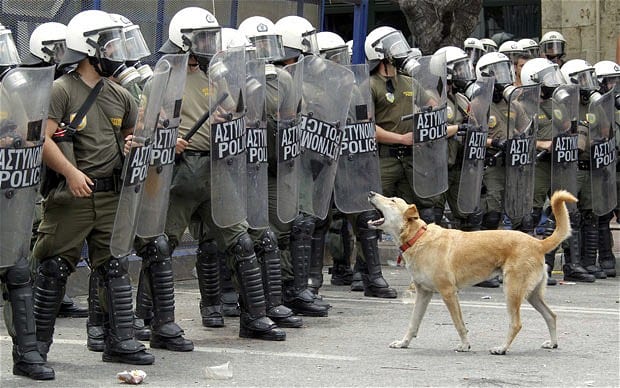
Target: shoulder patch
{"x": 591, "y": 118}
{"x": 492, "y": 121}
{"x": 557, "y": 114}
{"x": 450, "y": 112}
{"x": 82, "y": 123}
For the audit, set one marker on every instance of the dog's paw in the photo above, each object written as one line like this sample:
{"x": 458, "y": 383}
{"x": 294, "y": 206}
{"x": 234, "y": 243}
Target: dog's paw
{"x": 498, "y": 351}
{"x": 549, "y": 345}
{"x": 463, "y": 348}
{"x": 399, "y": 344}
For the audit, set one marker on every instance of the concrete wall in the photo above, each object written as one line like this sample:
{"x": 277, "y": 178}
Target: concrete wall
{"x": 588, "y": 35}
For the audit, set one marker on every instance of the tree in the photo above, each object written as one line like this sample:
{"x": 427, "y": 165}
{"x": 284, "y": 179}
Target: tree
{"x": 438, "y": 23}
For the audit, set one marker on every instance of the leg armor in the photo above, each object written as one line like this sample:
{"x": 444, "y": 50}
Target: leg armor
{"x": 166, "y": 334}
{"x": 472, "y": 222}
{"x": 27, "y": 361}
{"x": 573, "y": 270}
{"x": 49, "y": 289}
{"x": 297, "y": 296}
{"x": 589, "y": 245}
{"x": 208, "y": 271}
{"x": 229, "y": 297}
{"x": 254, "y": 322}
{"x": 606, "y": 258}
{"x": 120, "y": 345}
{"x": 491, "y": 220}
{"x": 144, "y": 304}
{"x": 341, "y": 271}
{"x": 426, "y": 214}
{"x": 317, "y": 253}
{"x": 374, "y": 283}
{"x": 94, "y": 324}
{"x": 269, "y": 258}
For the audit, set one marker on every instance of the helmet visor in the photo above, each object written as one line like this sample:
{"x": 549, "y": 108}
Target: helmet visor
{"x": 394, "y": 45}
{"x": 135, "y": 43}
{"x": 533, "y": 51}
{"x": 612, "y": 82}
{"x": 55, "y": 49}
{"x": 463, "y": 70}
{"x": 502, "y": 71}
{"x": 268, "y": 47}
{"x": 310, "y": 42}
{"x": 552, "y": 49}
{"x": 8, "y": 51}
{"x": 474, "y": 54}
{"x": 206, "y": 42}
{"x": 550, "y": 76}
{"x": 112, "y": 45}
{"x": 339, "y": 55}
{"x": 585, "y": 79}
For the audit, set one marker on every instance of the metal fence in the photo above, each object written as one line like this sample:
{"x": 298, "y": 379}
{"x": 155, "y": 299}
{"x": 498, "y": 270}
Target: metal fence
{"x": 153, "y": 16}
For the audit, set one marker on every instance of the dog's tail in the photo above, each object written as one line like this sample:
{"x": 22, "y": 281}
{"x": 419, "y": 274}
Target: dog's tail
{"x": 562, "y": 222}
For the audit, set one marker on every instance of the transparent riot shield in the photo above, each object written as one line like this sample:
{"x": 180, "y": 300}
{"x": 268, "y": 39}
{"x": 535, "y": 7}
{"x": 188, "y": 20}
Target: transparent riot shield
{"x": 520, "y": 150}
{"x": 474, "y": 146}
{"x": 564, "y": 150}
{"x": 256, "y": 147}
{"x": 288, "y": 149}
{"x": 358, "y": 165}
{"x": 228, "y": 142}
{"x": 156, "y": 195}
{"x": 137, "y": 162}
{"x": 602, "y": 154}
{"x": 430, "y": 129}
{"x": 327, "y": 90}
{"x": 24, "y": 101}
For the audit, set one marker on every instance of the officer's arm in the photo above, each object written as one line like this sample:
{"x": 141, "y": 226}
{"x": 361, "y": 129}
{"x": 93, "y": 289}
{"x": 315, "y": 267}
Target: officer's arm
{"x": 53, "y": 157}
{"x": 387, "y": 137}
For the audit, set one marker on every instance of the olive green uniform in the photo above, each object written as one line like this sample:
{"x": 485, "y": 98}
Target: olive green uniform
{"x": 542, "y": 174}
{"x": 68, "y": 221}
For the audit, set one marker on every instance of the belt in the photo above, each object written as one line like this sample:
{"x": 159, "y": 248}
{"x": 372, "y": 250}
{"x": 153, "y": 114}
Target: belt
{"x": 395, "y": 151}
{"x": 583, "y": 165}
{"x": 103, "y": 184}
{"x": 196, "y": 153}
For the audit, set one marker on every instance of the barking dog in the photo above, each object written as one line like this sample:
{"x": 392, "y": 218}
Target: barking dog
{"x": 445, "y": 260}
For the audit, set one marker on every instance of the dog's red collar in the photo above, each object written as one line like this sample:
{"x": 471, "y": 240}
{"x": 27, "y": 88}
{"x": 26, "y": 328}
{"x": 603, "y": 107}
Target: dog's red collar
{"x": 415, "y": 238}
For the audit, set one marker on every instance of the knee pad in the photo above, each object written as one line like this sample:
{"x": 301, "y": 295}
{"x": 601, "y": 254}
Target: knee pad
{"x": 302, "y": 226}
{"x": 267, "y": 243}
{"x": 244, "y": 248}
{"x": 155, "y": 251}
{"x": 55, "y": 267}
{"x": 115, "y": 267}
{"x": 18, "y": 275}
{"x": 589, "y": 219}
{"x": 207, "y": 249}
{"x": 491, "y": 220}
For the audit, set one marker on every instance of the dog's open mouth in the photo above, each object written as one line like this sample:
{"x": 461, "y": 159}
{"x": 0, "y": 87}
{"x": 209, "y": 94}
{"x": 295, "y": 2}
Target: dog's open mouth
{"x": 378, "y": 222}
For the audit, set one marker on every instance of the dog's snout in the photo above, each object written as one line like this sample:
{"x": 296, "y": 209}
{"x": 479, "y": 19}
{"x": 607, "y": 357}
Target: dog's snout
{"x": 371, "y": 194}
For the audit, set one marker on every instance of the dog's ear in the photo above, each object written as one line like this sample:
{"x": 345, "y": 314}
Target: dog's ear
{"x": 411, "y": 213}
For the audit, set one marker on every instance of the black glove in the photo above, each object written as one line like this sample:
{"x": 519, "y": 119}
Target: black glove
{"x": 500, "y": 144}
{"x": 462, "y": 129}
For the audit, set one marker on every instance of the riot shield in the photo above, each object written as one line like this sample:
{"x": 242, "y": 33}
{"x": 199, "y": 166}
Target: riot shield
{"x": 288, "y": 149}
{"x": 137, "y": 162}
{"x": 564, "y": 151}
{"x": 228, "y": 142}
{"x": 520, "y": 150}
{"x": 256, "y": 152}
{"x": 474, "y": 146}
{"x": 602, "y": 154}
{"x": 24, "y": 101}
{"x": 154, "y": 203}
{"x": 430, "y": 129}
{"x": 327, "y": 90}
{"x": 358, "y": 165}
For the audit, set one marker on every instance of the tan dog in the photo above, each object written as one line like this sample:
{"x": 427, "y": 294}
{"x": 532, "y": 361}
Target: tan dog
{"x": 445, "y": 260}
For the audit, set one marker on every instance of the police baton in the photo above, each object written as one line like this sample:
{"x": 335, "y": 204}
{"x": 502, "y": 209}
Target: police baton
{"x": 424, "y": 109}
{"x": 204, "y": 118}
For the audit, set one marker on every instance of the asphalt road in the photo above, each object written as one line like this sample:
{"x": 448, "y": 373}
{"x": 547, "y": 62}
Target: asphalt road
{"x": 350, "y": 347}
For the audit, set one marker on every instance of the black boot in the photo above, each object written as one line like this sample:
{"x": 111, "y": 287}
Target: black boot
{"x": 268, "y": 256}
{"x": 27, "y": 361}
{"x": 589, "y": 245}
{"x": 297, "y": 296}
{"x": 165, "y": 333}
{"x": 144, "y": 305}
{"x": 357, "y": 283}
{"x": 549, "y": 262}
{"x": 229, "y": 297}
{"x": 208, "y": 271}
{"x": 573, "y": 271}
{"x": 254, "y": 322}
{"x": 317, "y": 254}
{"x": 69, "y": 309}
{"x": 49, "y": 289}
{"x": 94, "y": 324}
{"x": 120, "y": 343}
{"x": 341, "y": 272}
{"x": 606, "y": 258}
{"x": 374, "y": 283}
